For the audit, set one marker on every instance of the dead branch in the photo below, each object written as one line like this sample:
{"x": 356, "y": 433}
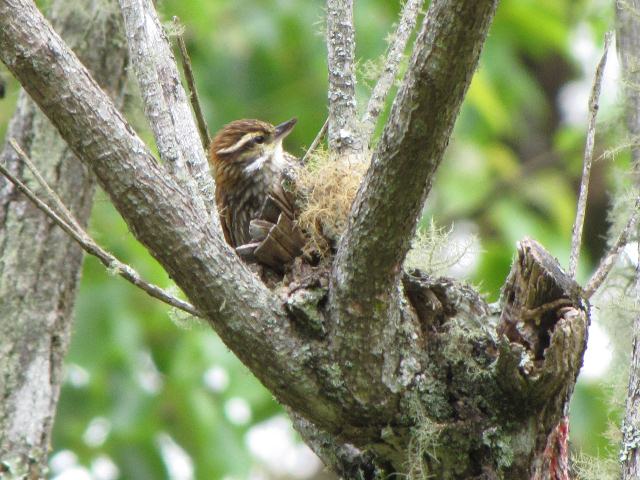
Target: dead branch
{"x": 609, "y": 260}
{"x": 205, "y": 136}
{"x": 588, "y": 159}
{"x": 316, "y": 141}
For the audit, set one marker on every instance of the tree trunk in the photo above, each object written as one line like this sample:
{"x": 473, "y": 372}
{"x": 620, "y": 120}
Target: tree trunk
{"x": 628, "y": 38}
{"x": 401, "y": 372}
{"x": 39, "y": 264}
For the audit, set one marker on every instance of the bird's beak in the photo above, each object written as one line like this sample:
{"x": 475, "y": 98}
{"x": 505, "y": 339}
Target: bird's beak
{"x": 285, "y": 128}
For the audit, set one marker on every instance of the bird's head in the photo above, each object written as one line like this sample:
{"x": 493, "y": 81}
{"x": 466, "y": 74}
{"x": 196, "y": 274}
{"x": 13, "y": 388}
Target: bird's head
{"x": 246, "y": 145}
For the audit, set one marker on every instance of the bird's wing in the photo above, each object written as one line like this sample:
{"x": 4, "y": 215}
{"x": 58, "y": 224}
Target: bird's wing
{"x": 278, "y": 238}
{"x": 278, "y": 201}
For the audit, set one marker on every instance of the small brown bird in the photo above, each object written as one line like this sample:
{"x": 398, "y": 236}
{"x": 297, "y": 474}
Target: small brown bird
{"x": 248, "y": 163}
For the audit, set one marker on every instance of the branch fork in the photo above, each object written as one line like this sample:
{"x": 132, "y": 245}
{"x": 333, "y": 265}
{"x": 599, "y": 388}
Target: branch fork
{"x": 369, "y": 372}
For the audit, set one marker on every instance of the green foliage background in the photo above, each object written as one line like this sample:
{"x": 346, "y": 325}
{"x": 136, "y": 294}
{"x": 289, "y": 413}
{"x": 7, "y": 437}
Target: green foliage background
{"x": 512, "y": 170}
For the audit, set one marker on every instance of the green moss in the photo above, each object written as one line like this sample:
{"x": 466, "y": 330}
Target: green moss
{"x": 500, "y": 444}
{"x": 449, "y": 439}
{"x": 304, "y": 306}
{"x": 431, "y": 396}
{"x": 333, "y": 374}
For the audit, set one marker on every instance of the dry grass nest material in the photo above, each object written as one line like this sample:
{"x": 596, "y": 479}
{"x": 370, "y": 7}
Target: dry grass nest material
{"x": 326, "y": 187}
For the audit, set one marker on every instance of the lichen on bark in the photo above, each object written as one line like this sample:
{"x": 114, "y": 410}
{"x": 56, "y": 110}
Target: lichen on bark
{"x": 39, "y": 265}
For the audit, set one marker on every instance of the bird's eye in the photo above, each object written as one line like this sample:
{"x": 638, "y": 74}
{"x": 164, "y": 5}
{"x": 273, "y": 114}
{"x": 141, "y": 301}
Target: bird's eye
{"x": 259, "y": 139}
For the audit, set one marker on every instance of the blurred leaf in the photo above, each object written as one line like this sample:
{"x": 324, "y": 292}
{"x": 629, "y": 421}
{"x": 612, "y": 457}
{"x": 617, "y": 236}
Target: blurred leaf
{"x": 487, "y": 101}
{"x": 538, "y": 26}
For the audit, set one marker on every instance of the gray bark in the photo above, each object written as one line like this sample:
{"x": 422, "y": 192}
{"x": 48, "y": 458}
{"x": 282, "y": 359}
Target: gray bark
{"x": 628, "y": 40}
{"x": 628, "y": 43}
{"x": 165, "y": 100}
{"x": 344, "y": 133}
{"x": 39, "y": 264}
{"x": 435, "y": 387}
{"x": 630, "y": 448}
{"x": 368, "y": 265}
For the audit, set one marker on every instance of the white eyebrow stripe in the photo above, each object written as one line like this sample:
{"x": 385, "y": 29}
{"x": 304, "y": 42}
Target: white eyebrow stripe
{"x": 246, "y": 138}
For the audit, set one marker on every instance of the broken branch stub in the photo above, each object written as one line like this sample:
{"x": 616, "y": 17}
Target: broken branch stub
{"x": 543, "y": 316}
{"x": 543, "y": 324}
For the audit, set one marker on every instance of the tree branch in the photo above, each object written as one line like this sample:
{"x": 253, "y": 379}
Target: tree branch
{"x": 316, "y": 141}
{"x": 408, "y": 19}
{"x": 342, "y": 458}
{"x": 175, "y": 227}
{"x": 165, "y": 101}
{"x": 608, "y": 261}
{"x": 384, "y": 214}
{"x": 543, "y": 333}
{"x": 344, "y": 134}
{"x": 578, "y": 224}
{"x": 193, "y": 91}
{"x": 630, "y": 448}
{"x": 65, "y": 220}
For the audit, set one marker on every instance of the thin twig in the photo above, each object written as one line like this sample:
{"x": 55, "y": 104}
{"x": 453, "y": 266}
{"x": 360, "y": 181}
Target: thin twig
{"x": 60, "y": 207}
{"x": 316, "y": 142}
{"x": 193, "y": 92}
{"x": 73, "y": 229}
{"x": 588, "y": 159}
{"x": 607, "y": 262}
{"x": 408, "y": 19}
